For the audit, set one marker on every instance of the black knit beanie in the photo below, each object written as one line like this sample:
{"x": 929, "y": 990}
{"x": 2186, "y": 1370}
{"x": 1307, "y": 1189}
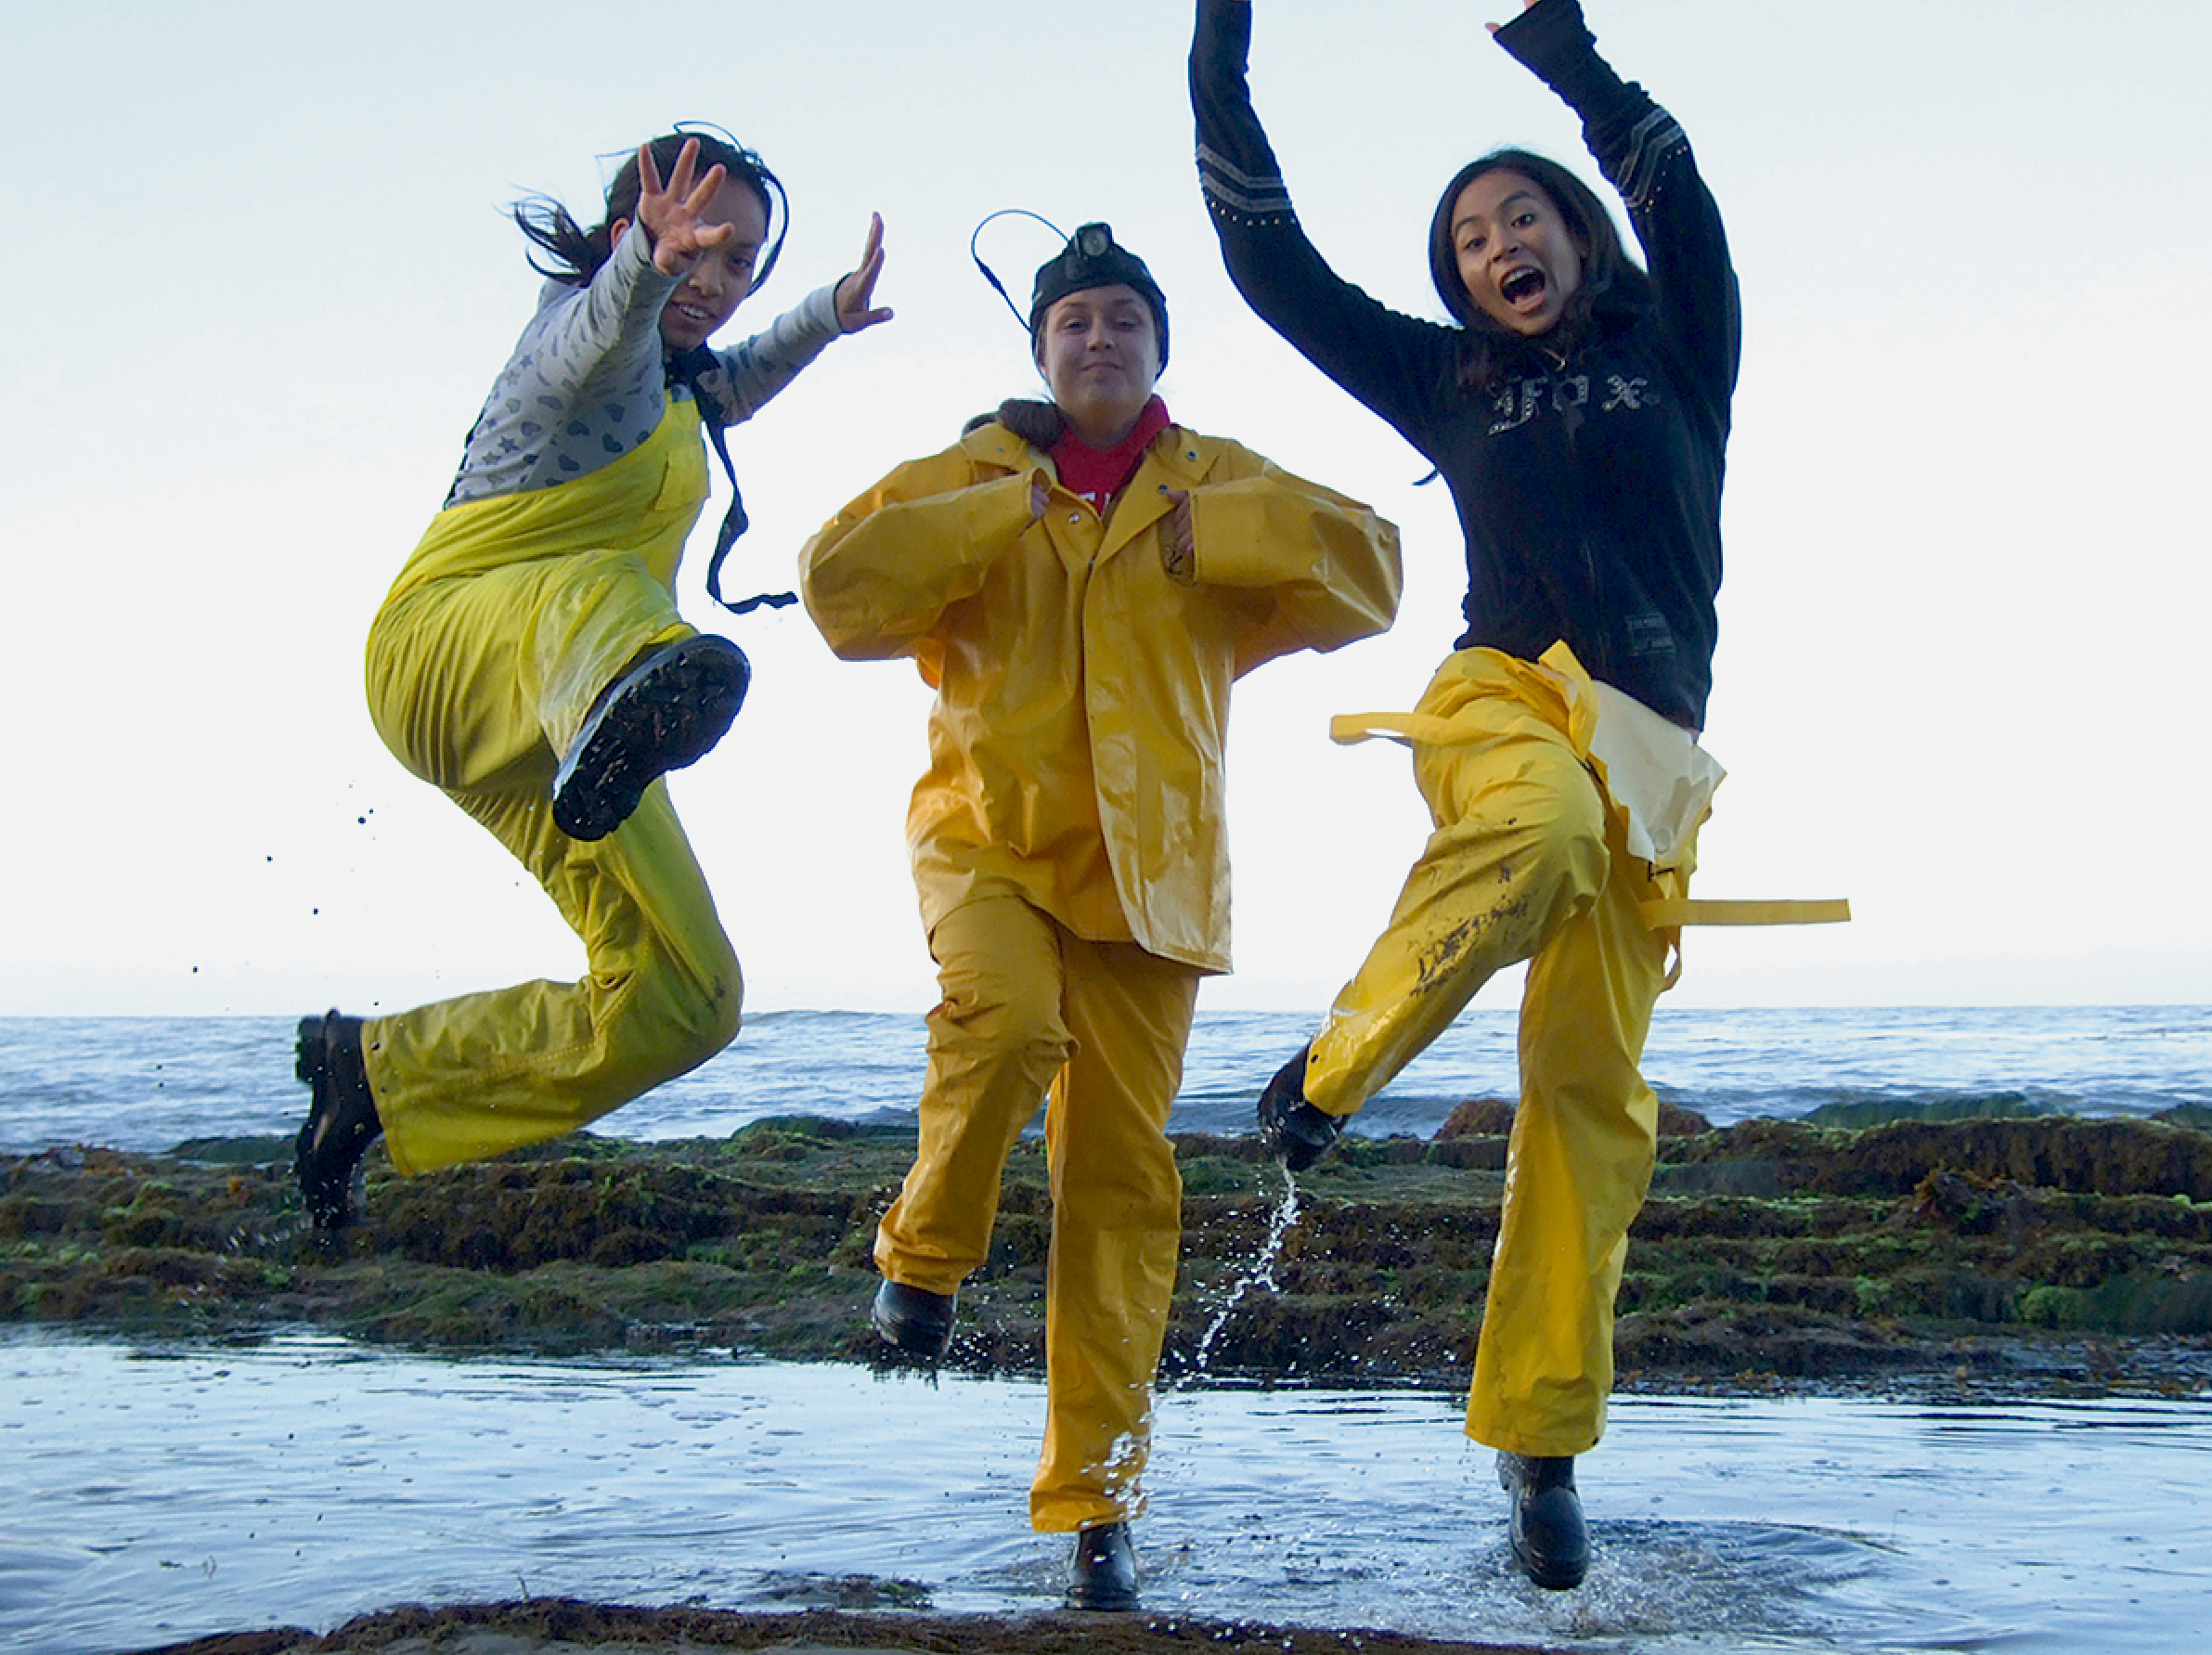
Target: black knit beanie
{"x": 1092, "y": 259}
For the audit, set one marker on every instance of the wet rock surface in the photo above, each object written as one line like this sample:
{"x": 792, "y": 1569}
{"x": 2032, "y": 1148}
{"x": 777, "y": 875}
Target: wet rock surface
{"x": 555, "y": 1627}
{"x": 2025, "y": 1255}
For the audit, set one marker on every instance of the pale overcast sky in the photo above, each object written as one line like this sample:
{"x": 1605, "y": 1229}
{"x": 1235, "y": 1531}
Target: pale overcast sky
{"x": 260, "y": 283}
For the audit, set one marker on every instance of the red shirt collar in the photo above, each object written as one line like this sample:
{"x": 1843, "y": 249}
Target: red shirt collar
{"x": 1099, "y": 476}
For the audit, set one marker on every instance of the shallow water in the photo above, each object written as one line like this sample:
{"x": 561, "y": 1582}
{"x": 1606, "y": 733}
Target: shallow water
{"x": 155, "y": 1493}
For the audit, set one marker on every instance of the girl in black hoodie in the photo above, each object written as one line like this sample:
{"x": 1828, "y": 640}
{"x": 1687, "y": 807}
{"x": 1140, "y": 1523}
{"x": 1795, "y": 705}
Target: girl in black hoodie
{"x": 1578, "y": 410}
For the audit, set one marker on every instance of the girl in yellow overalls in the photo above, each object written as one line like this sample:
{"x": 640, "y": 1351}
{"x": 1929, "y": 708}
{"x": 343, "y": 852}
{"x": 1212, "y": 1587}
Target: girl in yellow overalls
{"x": 530, "y": 662}
{"x": 1080, "y": 582}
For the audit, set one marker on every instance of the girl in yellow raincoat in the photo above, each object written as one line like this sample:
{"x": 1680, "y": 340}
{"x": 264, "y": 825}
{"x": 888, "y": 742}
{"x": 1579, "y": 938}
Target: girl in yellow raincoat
{"x": 1080, "y": 582}
{"x": 530, "y": 662}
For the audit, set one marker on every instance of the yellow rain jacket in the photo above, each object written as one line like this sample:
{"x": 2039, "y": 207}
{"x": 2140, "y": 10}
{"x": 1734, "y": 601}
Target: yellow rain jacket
{"x": 1083, "y": 665}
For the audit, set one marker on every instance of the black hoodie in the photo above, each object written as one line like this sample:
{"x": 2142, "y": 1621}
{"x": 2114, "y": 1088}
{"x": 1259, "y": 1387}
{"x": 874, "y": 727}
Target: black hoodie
{"x": 1589, "y": 489}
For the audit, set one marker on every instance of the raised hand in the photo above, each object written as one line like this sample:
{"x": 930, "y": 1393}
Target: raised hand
{"x": 1494, "y": 28}
{"x": 856, "y": 293}
{"x": 671, "y": 215}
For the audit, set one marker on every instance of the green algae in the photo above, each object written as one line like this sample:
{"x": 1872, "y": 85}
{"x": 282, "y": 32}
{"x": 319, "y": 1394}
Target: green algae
{"x": 1769, "y": 1248}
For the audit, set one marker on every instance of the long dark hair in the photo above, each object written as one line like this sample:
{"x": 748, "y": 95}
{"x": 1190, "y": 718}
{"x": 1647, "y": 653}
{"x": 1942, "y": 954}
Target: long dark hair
{"x": 577, "y": 253}
{"x": 1611, "y": 280}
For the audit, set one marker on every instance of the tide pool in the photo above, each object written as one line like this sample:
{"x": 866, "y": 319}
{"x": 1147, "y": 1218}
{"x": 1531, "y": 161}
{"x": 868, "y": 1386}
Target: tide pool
{"x": 158, "y": 1493}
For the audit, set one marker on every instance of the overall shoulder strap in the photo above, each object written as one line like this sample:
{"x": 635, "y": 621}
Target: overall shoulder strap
{"x": 692, "y": 368}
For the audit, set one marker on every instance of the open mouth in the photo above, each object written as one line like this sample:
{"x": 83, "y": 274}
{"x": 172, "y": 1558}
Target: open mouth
{"x": 1522, "y": 286}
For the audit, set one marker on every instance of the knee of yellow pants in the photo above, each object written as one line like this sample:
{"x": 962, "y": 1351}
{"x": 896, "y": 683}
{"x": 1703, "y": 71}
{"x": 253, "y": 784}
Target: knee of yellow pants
{"x": 1519, "y": 850}
{"x": 996, "y": 1035}
{"x": 482, "y": 681}
{"x": 674, "y": 1015}
{"x": 1138, "y": 1191}
{"x": 487, "y": 1073}
{"x": 666, "y": 991}
{"x": 445, "y": 683}
{"x": 608, "y": 610}
{"x": 1529, "y": 779}
{"x": 997, "y": 1014}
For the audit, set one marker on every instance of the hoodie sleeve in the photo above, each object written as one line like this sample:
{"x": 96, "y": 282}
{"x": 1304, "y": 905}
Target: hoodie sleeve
{"x": 1644, "y": 154}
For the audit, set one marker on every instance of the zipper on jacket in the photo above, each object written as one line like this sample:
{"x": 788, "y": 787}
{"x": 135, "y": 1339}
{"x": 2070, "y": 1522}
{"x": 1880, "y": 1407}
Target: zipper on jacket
{"x": 1571, "y": 423}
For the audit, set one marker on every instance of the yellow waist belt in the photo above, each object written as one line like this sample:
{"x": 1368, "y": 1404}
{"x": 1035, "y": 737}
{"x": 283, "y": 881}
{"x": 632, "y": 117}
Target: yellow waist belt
{"x": 1667, "y": 914}
{"x": 1743, "y": 911}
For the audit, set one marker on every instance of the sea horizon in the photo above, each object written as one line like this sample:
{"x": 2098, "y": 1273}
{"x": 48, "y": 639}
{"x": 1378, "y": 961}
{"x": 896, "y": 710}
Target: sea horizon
{"x": 147, "y": 1083}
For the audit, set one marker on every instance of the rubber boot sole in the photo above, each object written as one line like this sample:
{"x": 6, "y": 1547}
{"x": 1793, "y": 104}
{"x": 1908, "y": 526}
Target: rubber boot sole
{"x": 665, "y": 712}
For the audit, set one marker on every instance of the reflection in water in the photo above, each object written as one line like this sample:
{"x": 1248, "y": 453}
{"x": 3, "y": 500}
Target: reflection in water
{"x": 157, "y": 1494}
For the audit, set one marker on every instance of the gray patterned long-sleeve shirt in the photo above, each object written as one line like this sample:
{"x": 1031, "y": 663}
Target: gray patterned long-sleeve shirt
{"x": 587, "y": 383}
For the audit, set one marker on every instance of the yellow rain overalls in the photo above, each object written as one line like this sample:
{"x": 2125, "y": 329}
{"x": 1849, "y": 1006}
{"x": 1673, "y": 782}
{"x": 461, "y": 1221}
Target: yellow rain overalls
{"x": 502, "y": 628}
{"x": 1069, "y": 853}
{"x": 1531, "y": 859}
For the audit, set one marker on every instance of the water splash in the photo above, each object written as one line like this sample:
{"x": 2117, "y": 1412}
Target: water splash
{"x": 1260, "y": 1273}
{"x": 1125, "y": 1461}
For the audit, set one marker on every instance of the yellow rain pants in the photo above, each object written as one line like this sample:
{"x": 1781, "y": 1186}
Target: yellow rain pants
{"x": 1528, "y": 861}
{"x": 1027, "y": 1005}
{"x": 501, "y": 630}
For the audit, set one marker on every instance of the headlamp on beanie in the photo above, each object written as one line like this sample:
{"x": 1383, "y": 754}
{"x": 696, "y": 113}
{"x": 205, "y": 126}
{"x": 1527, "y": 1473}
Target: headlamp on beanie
{"x": 1092, "y": 259}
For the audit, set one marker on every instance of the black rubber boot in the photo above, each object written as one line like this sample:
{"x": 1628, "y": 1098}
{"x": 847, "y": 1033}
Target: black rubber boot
{"x": 1295, "y": 1132}
{"x": 667, "y": 710}
{"x": 1550, "y": 1541}
{"x": 916, "y": 1320}
{"x": 341, "y": 1118}
{"x": 1104, "y": 1572}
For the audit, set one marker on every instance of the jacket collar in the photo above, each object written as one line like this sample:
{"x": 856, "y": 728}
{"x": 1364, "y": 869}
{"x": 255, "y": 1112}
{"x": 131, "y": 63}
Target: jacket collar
{"x": 1177, "y": 460}
{"x": 1184, "y": 455}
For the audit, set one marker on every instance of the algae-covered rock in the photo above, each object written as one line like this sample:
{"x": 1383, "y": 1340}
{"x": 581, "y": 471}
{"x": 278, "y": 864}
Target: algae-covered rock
{"x": 1882, "y": 1111}
{"x": 1814, "y": 1253}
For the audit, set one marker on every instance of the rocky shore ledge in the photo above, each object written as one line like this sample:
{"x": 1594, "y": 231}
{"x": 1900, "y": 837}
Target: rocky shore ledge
{"x": 565, "y": 1626}
{"x": 2025, "y": 1255}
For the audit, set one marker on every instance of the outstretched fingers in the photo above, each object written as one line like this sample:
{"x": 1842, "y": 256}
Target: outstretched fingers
{"x": 856, "y": 293}
{"x": 671, "y": 212}
{"x": 701, "y": 196}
